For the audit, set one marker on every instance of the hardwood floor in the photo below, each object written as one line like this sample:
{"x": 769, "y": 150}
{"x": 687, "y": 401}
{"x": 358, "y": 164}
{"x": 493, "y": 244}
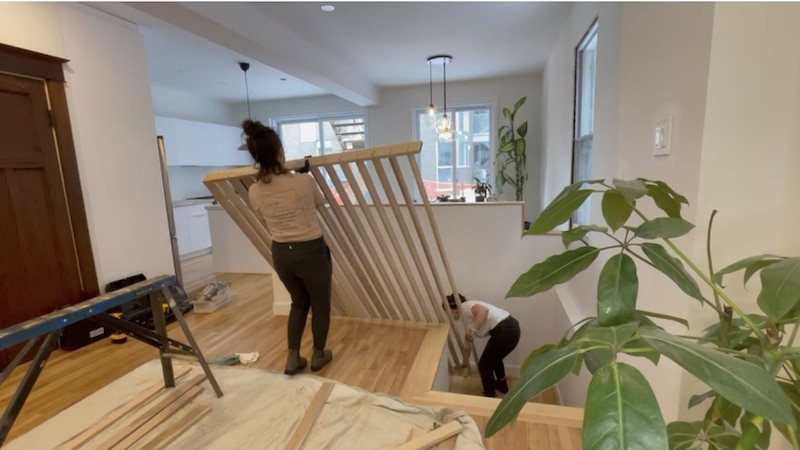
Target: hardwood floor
{"x": 380, "y": 356}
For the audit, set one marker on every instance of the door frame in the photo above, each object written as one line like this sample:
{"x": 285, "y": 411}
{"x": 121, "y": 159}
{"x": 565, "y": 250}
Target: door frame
{"x": 17, "y": 61}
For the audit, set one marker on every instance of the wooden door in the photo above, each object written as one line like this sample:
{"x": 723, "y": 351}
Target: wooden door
{"x": 42, "y": 264}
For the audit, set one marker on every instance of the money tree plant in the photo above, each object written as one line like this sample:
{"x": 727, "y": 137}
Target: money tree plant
{"x": 747, "y": 359}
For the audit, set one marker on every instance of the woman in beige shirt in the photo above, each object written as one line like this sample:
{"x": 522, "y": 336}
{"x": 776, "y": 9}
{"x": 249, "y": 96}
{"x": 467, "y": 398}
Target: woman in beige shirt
{"x": 286, "y": 202}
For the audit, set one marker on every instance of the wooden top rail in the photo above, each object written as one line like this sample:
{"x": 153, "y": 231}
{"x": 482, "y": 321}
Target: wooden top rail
{"x": 404, "y": 148}
{"x": 58, "y": 319}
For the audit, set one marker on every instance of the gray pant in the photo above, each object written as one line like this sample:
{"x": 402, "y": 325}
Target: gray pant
{"x": 305, "y": 269}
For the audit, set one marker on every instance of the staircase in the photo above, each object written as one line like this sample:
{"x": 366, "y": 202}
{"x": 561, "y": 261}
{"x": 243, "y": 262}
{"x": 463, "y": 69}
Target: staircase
{"x": 350, "y": 133}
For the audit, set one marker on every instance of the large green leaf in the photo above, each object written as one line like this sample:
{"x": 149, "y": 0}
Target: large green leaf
{"x": 673, "y": 268}
{"x": 578, "y": 233}
{"x": 630, "y": 189}
{"x": 668, "y": 190}
{"x": 616, "y": 209}
{"x": 559, "y": 211}
{"x": 604, "y": 343}
{"x": 743, "y": 264}
{"x": 682, "y": 435}
{"x": 617, "y": 288}
{"x": 780, "y": 288}
{"x": 700, "y": 398}
{"x": 663, "y": 227}
{"x": 679, "y": 320}
{"x": 664, "y": 201}
{"x": 743, "y": 383}
{"x": 545, "y": 371}
{"x": 622, "y": 411}
{"x": 552, "y": 271}
{"x": 752, "y": 269}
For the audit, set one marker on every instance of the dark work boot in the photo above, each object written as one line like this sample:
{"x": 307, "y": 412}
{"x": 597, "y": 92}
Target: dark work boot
{"x": 294, "y": 363}
{"x": 320, "y": 358}
{"x": 502, "y": 385}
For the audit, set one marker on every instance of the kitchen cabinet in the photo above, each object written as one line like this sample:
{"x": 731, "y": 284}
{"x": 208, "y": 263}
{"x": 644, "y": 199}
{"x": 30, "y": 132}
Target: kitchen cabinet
{"x": 191, "y": 228}
{"x": 191, "y": 143}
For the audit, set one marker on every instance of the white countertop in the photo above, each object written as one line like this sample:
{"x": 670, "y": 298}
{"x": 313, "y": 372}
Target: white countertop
{"x": 189, "y": 202}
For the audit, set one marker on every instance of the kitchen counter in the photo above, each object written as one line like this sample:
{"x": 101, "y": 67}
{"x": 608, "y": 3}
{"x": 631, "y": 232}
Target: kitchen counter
{"x": 189, "y": 202}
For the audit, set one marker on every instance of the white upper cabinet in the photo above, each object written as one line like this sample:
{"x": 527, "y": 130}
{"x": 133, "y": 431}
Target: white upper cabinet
{"x": 190, "y": 143}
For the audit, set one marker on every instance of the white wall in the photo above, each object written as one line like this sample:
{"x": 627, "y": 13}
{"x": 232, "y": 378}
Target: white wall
{"x": 180, "y": 105}
{"x": 748, "y": 167}
{"x": 652, "y": 62}
{"x": 16, "y": 20}
{"x": 113, "y": 127}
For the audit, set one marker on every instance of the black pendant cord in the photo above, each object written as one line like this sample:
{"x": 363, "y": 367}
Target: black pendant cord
{"x": 247, "y": 89}
{"x": 430, "y": 81}
{"x": 444, "y": 77}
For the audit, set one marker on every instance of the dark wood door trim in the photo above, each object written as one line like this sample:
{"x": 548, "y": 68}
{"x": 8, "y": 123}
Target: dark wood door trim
{"x": 30, "y": 63}
{"x": 72, "y": 186}
{"x": 50, "y": 68}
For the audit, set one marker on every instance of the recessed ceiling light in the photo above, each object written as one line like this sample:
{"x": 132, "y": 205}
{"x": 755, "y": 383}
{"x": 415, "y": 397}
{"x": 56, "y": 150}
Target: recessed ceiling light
{"x": 327, "y": 8}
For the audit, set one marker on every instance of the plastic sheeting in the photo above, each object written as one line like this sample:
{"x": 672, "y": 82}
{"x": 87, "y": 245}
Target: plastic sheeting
{"x": 260, "y": 410}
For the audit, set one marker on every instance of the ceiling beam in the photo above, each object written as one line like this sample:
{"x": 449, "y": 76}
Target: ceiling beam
{"x": 249, "y": 32}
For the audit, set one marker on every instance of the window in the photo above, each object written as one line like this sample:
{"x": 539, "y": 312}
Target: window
{"x": 322, "y": 135}
{"x": 450, "y": 166}
{"x": 585, "y": 71}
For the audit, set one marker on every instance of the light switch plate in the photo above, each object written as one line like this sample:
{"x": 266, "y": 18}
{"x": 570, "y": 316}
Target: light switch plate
{"x": 662, "y": 137}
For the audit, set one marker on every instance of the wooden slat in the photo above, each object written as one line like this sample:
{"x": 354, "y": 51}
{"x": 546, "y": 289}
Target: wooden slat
{"x": 463, "y": 359}
{"x": 421, "y": 312}
{"x": 227, "y": 203}
{"x": 389, "y": 294}
{"x": 433, "y": 437}
{"x": 381, "y": 231}
{"x": 484, "y": 406}
{"x": 364, "y": 271}
{"x": 117, "y": 413}
{"x": 404, "y": 148}
{"x": 345, "y": 256}
{"x": 143, "y": 416}
{"x": 185, "y": 421}
{"x": 412, "y": 247}
{"x": 156, "y": 420}
{"x": 304, "y": 427}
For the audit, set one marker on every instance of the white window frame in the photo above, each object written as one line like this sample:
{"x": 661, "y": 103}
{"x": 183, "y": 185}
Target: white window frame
{"x": 580, "y": 136}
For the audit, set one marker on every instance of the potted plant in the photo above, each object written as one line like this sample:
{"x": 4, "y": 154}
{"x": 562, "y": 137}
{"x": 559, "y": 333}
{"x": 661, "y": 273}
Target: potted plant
{"x": 746, "y": 359}
{"x": 482, "y": 190}
{"x": 511, "y": 156}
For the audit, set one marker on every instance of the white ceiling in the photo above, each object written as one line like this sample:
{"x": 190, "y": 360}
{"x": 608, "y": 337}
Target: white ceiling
{"x": 350, "y": 52}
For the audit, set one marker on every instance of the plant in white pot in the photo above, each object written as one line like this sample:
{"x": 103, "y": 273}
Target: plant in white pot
{"x": 748, "y": 359}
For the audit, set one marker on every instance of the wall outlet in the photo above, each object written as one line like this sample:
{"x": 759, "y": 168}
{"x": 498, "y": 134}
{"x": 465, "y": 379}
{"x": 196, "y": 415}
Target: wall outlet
{"x": 662, "y": 137}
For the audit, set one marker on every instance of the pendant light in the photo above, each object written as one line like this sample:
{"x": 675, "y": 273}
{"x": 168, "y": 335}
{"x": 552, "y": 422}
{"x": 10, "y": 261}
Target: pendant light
{"x": 430, "y": 113}
{"x": 443, "y": 125}
{"x": 245, "y": 66}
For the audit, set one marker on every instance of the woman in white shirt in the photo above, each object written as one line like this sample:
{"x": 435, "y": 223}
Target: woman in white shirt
{"x": 286, "y": 202}
{"x": 484, "y": 319}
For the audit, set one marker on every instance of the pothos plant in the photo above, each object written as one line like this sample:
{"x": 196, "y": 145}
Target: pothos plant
{"x": 745, "y": 358}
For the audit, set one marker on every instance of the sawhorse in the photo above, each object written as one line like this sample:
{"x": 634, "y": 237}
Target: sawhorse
{"x": 52, "y": 325}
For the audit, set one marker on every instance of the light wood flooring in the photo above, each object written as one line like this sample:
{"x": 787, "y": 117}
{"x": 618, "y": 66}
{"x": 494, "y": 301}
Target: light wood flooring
{"x": 380, "y": 356}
